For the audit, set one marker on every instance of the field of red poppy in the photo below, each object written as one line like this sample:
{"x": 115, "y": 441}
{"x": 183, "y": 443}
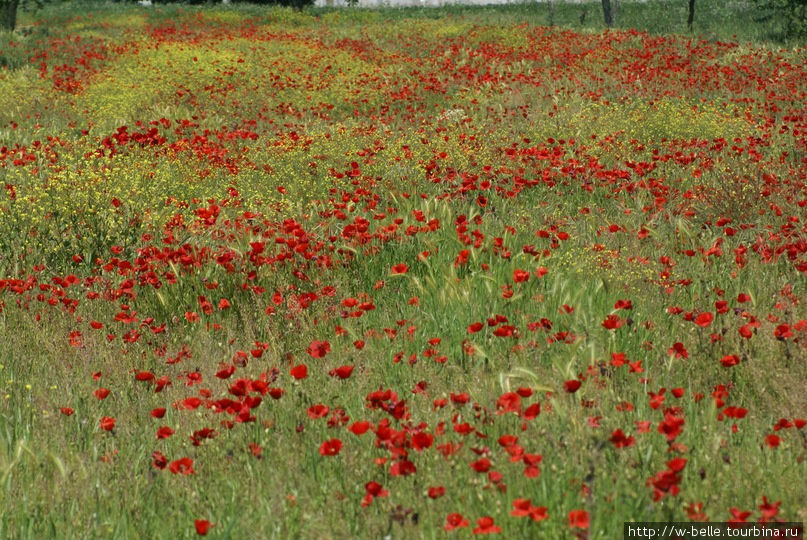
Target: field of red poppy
{"x": 266, "y": 274}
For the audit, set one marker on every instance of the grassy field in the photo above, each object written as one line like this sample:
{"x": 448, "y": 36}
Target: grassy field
{"x": 399, "y": 273}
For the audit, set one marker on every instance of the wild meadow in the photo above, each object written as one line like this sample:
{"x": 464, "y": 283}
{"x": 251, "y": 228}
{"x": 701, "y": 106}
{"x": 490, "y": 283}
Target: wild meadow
{"x": 343, "y": 274}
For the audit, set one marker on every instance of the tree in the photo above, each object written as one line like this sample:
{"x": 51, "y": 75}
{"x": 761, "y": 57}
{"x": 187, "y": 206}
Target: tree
{"x": 606, "y": 11}
{"x": 792, "y": 13}
{"x": 296, "y": 4}
{"x": 8, "y": 14}
{"x": 691, "y": 17}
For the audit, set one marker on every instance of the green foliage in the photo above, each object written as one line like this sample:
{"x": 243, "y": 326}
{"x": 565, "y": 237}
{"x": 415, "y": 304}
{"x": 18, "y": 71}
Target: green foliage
{"x": 790, "y": 14}
{"x": 296, "y": 4}
{"x": 628, "y": 206}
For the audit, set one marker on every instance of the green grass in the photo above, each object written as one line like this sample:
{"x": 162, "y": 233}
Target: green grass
{"x": 294, "y": 161}
{"x": 714, "y": 19}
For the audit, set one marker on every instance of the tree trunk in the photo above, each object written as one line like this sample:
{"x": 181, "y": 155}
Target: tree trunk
{"x": 8, "y": 14}
{"x": 606, "y": 11}
{"x": 691, "y": 18}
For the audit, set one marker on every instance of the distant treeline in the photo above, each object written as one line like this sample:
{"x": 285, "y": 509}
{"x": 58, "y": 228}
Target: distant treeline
{"x": 298, "y": 4}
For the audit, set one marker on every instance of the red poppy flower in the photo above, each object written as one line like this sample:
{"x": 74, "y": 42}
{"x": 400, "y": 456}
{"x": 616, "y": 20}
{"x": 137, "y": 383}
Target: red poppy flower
{"x": 620, "y": 440}
{"x": 704, "y": 319}
{"x": 772, "y": 441}
{"x": 524, "y": 507}
{"x": 677, "y": 464}
{"x": 67, "y": 411}
{"x": 623, "y": 304}
{"x": 330, "y": 447}
{"x": 201, "y": 434}
{"x": 75, "y": 339}
{"x": 572, "y": 386}
{"x": 299, "y": 371}
{"x": 191, "y": 403}
{"x": 509, "y": 402}
{"x": 578, "y": 519}
{"x": 375, "y": 489}
{"x": 107, "y": 423}
{"x": 481, "y": 465}
{"x": 158, "y": 460}
{"x": 768, "y": 510}
{"x": 507, "y": 440}
{"x": 504, "y": 331}
{"x": 436, "y": 492}
{"x": 475, "y": 327}
{"x": 783, "y": 423}
{"x": 783, "y": 332}
{"x": 400, "y": 268}
{"x": 612, "y": 322}
{"x": 678, "y": 350}
{"x": 359, "y": 428}
{"x": 746, "y": 330}
{"x": 318, "y": 411}
{"x": 618, "y": 359}
{"x": 521, "y": 507}
{"x": 342, "y": 372}
{"x": 226, "y": 372}
{"x": 735, "y": 412}
{"x": 144, "y": 376}
{"x": 372, "y": 490}
{"x": 161, "y": 383}
{"x": 520, "y": 276}
{"x": 183, "y": 466}
{"x": 695, "y": 512}
{"x": 462, "y": 258}
{"x": 671, "y": 426}
{"x": 202, "y": 526}
{"x": 539, "y": 513}
{"x": 164, "y": 432}
{"x": 531, "y": 462}
{"x": 455, "y": 521}
{"x": 485, "y": 525}
{"x": 318, "y": 349}
{"x": 531, "y": 412}
{"x": 421, "y": 441}
{"x": 524, "y": 391}
{"x": 402, "y": 467}
{"x": 255, "y": 450}
{"x": 101, "y": 393}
